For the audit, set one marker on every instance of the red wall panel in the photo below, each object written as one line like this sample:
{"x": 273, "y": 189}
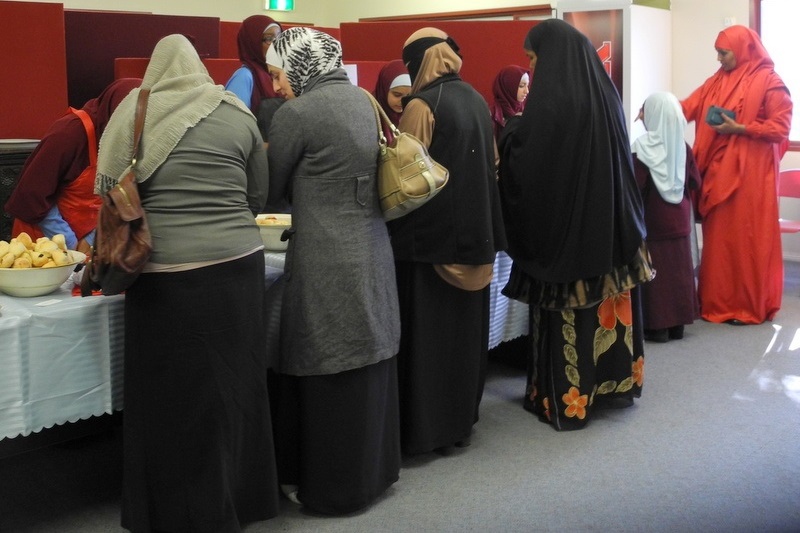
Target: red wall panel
{"x": 94, "y": 39}
{"x": 333, "y": 32}
{"x": 228, "y": 32}
{"x": 486, "y": 46}
{"x": 32, "y": 59}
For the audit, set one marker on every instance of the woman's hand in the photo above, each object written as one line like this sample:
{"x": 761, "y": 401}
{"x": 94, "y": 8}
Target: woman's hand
{"x": 729, "y": 126}
{"x": 83, "y": 247}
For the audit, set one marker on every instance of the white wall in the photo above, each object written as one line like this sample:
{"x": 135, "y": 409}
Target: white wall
{"x": 695, "y": 25}
{"x": 646, "y": 68}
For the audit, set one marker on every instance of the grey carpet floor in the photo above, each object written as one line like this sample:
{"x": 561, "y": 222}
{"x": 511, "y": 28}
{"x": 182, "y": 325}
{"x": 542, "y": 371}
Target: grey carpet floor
{"x": 712, "y": 445}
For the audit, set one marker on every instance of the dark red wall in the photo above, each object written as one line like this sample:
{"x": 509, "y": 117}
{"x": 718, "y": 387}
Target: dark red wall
{"x": 95, "y": 39}
{"x": 486, "y": 46}
{"x": 228, "y": 32}
{"x": 59, "y": 57}
{"x": 33, "y": 91}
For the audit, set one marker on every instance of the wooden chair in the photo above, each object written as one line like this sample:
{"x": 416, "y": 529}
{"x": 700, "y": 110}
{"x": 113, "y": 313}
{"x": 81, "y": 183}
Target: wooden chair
{"x": 789, "y": 187}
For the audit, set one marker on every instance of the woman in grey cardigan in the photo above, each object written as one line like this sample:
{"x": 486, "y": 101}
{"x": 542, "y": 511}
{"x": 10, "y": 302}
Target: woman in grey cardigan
{"x": 338, "y": 423}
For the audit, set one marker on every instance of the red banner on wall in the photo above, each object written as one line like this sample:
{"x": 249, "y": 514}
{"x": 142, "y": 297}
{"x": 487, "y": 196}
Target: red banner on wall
{"x": 604, "y": 30}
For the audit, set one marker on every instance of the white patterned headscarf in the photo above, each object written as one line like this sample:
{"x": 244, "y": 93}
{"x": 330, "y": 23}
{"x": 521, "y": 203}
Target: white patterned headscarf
{"x": 181, "y": 95}
{"x": 304, "y": 53}
{"x": 663, "y": 148}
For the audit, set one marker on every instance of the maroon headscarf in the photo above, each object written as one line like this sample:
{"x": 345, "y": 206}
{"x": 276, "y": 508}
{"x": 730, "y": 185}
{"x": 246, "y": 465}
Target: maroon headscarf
{"x": 505, "y": 88}
{"x": 249, "y": 42}
{"x": 388, "y": 73}
{"x": 100, "y": 108}
{"x": 62, "y": 154}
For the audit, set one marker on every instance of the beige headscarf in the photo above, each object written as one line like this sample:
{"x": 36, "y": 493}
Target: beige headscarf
{"x": 181, "y": 95}
{"x": 438, "y": 60}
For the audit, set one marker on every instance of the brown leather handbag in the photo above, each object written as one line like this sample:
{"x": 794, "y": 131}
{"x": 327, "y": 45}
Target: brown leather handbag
{"x": 122, "y": 244}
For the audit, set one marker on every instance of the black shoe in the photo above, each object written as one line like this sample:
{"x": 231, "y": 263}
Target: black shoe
{"x": 656, "y": 335}
{"x": 676, "y": 332}
{"x": 735, "y": 322}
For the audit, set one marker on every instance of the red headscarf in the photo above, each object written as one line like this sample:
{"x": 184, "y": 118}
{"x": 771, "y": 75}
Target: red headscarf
{"x": 741, "y": 90}
{"x": 249, "y": 42}
{"x": 387, "y": 75}
{"x": 733, "y": 88}
{"x": 505, "y": 88}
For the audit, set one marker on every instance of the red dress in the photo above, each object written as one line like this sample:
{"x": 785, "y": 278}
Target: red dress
{"x": 741, "y": 267}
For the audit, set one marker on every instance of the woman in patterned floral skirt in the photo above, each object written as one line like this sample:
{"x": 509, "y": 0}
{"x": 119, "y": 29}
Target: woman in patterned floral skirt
{"x": 576, "y": 233}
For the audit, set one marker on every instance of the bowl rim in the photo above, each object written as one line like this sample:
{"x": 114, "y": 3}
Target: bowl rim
{"x": 285, "y": 220}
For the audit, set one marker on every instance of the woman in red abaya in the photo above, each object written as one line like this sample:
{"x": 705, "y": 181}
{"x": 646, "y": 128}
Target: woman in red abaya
{"x": 741, "y": 267}
{"x": 55, "y": 191}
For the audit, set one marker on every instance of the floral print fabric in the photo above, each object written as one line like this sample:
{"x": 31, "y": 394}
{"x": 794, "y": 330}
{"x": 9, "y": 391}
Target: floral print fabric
{"x": 582, "y": 358}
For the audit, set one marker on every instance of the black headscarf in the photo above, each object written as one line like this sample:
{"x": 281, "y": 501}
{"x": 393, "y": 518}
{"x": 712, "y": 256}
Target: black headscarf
{"x": 570, "y": 201}
{"x": 414, "y": 51}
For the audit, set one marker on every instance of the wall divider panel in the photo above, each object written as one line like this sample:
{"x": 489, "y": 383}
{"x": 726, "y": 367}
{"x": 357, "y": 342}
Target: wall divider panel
{"x": 34, "y": 88}
{"x": 95, "y": 38}
{"x": 486, "y": 46}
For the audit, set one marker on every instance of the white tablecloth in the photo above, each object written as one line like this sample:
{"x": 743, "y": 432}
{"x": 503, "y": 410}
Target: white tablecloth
{"x": 508, "y": 319}
{"x": 61, "y": 356}
{"x": 60, "y": 359}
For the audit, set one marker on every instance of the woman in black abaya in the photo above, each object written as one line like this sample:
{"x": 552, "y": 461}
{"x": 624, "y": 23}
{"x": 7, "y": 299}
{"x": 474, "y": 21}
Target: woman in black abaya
{"x": 575, "y": 226}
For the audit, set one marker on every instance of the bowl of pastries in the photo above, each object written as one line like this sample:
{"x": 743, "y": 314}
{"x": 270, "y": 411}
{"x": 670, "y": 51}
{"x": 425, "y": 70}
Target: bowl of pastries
{"x": 35, "y": 268}
{"x": 272, "y": 226}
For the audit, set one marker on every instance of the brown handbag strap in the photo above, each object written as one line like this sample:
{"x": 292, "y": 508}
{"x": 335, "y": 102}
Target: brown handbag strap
{"x": 138, "y": 126}
{"x": 381, "y": 117}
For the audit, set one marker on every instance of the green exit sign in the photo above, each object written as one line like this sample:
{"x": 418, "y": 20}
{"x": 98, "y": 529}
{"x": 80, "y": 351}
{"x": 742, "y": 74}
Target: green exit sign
{"x": 280, "y": 5}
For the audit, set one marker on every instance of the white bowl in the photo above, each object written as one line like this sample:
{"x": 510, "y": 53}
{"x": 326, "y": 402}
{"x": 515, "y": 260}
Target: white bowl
{"x": 26, "y": 282}
{"x": 271, "y": 232}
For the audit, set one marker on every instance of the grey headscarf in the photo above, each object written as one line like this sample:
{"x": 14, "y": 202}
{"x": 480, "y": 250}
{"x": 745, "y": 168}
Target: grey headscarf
{"x": 304, "y": 53}
{"x": 181, "y": 95}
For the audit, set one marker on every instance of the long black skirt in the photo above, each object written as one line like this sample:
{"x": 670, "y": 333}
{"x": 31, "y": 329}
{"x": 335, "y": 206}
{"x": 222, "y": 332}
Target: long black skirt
{"x": 197, "y": 441}
{"x": 338, "y": 436}
{"x": 442, "y": 360}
